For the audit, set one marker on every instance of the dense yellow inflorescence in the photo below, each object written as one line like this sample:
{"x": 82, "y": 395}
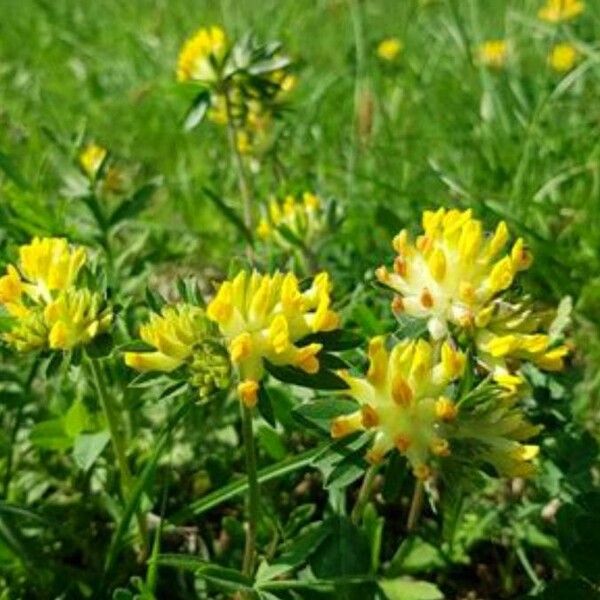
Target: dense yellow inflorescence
{"x": 262, "y": 316}
{"x": 493, "y": 53}
{"x": 49, "y": 310}
{"x": 452, "y": 271}
{"x": 196, "y": 58}
{"x": 402, "y": 401}
{"x": 302, "y": 217}
{"x": 555, "y": 11}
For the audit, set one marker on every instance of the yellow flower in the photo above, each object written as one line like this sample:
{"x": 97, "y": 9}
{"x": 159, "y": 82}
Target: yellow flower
{"x": 555, "y": 11}
{"x": 508, "y": 334}
{"x": 452, "y": 271}
{"x": 401, "y": 401}
{"x": 389, "y": 49}
{"x": 562, "y": 57}
{"x": 91, "y": 159}
{"x": 493, "y": 53}
{"x": 49, "y": 310}
{"x": 302, "y": 217}
{"x": 181, "y": 336}
{"x": 263, "y": 316}
{"x": 76, "y": 317}
{"x": 198, "y": 53}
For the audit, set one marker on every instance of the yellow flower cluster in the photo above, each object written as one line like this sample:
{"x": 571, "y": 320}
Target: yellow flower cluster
{"x": 181, "y": 336}
{"x": 200, "y": 53}
{"x": 493, "y": 53}
{"x": 508, "y": 334}
{"x": 389, "y": 49}
{"x": 402, "y": 402}
{"x": 263, "y": 316}
{"x": 49, "y": 310}
{"x": 563, "y": 57}
{"x": 302, "y": 217}
{"x": 555, "y": 11}
{"x": 452, "y": 271}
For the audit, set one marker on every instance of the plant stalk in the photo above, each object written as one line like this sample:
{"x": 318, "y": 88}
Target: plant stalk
{"x": 364, "y": 494}
{"x": 416, "y": 506}
{"x": 118, "y": 442}
{"x": 253, "y": 492}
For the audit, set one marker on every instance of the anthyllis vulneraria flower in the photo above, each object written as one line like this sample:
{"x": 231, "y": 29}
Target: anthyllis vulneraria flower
{"x": 389, "y": 49}
{"x": 402, "y": 401}
{"x": 452, "y": 271}
{"x": 302, "y": 217}
{"x": 200, "y": 55}
{"x": 41, "y": 295}
{"x": 493, "y": 53}
{"x": 91, "y": 159}
{"x": 183, "y": 336}
{"x": 508, "y": 334}
{"x": 555, "y": 11}
{"x": 263, "y": 316}
{"x": 563, "y": 57}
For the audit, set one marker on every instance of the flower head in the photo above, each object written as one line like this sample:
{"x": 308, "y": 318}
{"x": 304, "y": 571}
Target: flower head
{"x": 562, "y": 57}
{"x": 555, "y": 11}
{"x": 451, "y": 271}
{"x": 50, "y": 311}
{"x": 200, "y": 52}
{"x": 181, "y": 337}
{"x": 493, "y": 53}
{"x": 389, "y": 49}
{"x": 263, "y": 316}
{"x": 402, "y": 401}
{"x": 508, "y": 334}
{"x": 91, "y": 159}
{"x": 302, "y": 217}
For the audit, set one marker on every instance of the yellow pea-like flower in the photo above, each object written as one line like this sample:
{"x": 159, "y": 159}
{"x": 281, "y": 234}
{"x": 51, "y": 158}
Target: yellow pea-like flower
{"x": 563, "y": 57}
{"x": 401, "y": 400}
{"x": 91, "y": 159}
{"x": 263, "y": 316}
{"x": 196, "y": 57}
{"x": 493, "y": 53}
{"x": 556, "y": 11}
{"x": 389, "y": 49}
{"x": 451, "y": 271}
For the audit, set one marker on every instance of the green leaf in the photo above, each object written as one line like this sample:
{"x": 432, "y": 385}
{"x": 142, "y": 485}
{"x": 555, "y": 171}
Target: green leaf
{"x": 334, "y": 341}
{"x": 408, "y": 589}
{"x": 323, "y": 380}
{"x": 50, "y": 435}
{"x": 197, "y": 110}
{"x": 131, "y": 207}
{"x": 11, "y": 171}
{"x": 569, "y": 589}
{"x": 77, "y": 419}
{"x": 230, "y": 215}
{"x": 271, "y": 442}
{"x": 88, "y": 447}
{"x": 265, "y": 406}
{"x": 319, "y": 413}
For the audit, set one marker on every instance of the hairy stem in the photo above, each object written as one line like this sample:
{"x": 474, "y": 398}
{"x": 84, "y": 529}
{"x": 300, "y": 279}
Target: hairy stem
{"x": 253, "y": 492}
{"x": 364, "y": 494}
{"x": 115, "y": 429}
{"x": 416, "y": 506}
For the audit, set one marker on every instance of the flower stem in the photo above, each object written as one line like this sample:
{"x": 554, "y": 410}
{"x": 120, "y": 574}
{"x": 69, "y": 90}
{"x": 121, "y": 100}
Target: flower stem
{"x": 238, "y": 162}
{"x": 116, "y": 435}
{"x": 364, "y": 494}
{"x": 416, "y": 506}
{"x": 253, "y": 492}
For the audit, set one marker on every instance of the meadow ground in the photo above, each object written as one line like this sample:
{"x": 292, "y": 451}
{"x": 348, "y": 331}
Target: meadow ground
{"x": 511, "y": 136}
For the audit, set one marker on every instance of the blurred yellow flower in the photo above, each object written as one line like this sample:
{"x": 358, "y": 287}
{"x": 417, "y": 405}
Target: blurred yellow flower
{"x": 91, "y": 159}
{"x": 389, "y": 49}
{"x": 555, "y": 11}
{"x": 402, "y": 402}
{"x": 262, "y": 316}
{"x": 562, "y": 57}
{"x": 493, "y": 53}
{"x": 452, "y": 271}
{"x": 198, "y": 53}
{"x": 50, "y": 311}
